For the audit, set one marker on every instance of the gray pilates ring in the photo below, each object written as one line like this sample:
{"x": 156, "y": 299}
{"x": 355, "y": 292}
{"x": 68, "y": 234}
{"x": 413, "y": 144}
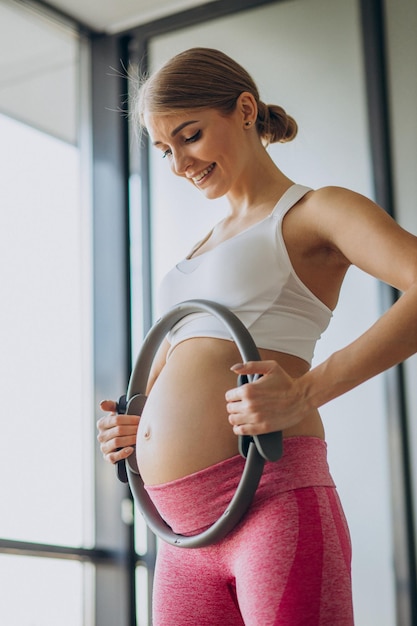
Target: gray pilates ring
{"x": 256, "y": 449}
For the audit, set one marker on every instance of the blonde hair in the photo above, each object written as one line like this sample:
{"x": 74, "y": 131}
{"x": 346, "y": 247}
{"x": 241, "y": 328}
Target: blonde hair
{"x": 207, "y": 78}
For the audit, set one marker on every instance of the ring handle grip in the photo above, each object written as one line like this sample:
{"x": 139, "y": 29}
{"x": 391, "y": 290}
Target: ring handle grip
{"x": 133, "y": 407}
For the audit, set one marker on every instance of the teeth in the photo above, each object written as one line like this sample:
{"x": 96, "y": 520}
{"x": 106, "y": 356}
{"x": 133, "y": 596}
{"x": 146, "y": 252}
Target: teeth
{"x": 201, "y": 175}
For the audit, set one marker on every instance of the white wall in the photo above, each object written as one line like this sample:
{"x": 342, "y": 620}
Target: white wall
{"x": 307, "y": 56}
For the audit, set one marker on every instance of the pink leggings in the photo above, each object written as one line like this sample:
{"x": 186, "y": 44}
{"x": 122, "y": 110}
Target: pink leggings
{"x": 287, "y": 563}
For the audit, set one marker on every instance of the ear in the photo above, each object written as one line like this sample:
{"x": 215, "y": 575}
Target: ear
{"x": 247, "y": 108}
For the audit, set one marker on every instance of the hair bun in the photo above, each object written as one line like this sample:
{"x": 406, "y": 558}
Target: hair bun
{"x": 274, "y": 124}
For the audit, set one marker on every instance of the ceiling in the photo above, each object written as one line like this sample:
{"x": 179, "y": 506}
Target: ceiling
{"x": 116, "y": 15}
{"x": 38, "y": 58}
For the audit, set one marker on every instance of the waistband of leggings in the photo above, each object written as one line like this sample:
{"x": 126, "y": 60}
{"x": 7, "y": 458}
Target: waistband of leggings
{"x": 197, "y": 500}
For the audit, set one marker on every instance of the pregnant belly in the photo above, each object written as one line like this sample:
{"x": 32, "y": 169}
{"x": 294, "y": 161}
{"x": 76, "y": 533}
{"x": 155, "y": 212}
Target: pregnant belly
{"x": 184, "y": 425}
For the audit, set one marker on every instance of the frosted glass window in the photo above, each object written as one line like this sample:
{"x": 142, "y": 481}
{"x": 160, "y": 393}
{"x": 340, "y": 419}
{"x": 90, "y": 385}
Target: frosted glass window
{"x": 44, "y": 359}
{"x": 42, "y": 592}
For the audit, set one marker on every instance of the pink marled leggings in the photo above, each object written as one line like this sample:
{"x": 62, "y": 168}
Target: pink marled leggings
{"x": 287, "y": 563}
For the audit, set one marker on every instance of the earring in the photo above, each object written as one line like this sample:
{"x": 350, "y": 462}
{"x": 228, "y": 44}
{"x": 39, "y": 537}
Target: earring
{"x": 248, "y": 124}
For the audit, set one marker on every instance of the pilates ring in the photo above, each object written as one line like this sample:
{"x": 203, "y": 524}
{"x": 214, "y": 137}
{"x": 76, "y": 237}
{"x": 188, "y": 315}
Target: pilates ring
{"x": 256, "y": 449}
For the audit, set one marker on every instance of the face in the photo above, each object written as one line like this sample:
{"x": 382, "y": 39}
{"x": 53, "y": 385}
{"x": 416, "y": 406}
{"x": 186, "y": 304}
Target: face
{"x": 203, "y": 146}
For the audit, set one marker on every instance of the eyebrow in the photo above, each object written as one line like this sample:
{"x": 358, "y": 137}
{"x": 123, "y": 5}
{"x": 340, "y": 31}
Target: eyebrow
{"x": 177, "y": 130}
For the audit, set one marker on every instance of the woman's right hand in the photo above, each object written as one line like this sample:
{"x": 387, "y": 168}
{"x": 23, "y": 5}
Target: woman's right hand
{"x": 116, "y": 432}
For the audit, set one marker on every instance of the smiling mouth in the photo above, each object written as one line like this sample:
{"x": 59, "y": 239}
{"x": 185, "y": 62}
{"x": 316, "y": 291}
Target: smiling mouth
{"x": 203, "y": 174}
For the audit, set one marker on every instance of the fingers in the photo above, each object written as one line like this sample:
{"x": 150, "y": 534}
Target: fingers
{"x": 118, "y": 442}
{"x": 108, "y": 406}
{"x": 261, "y": 406}
{"x": 119, "y": 455}
{"x": 243, "y": 405}
{"x": 265, "y": 368}
{"x": 116, "y": 433}
{"x": 245, "y": 414}
{"x": 255, "y": 367}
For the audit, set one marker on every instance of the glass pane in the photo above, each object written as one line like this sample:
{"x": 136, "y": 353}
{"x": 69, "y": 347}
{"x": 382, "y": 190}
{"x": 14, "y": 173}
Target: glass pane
{"x": 42, "y": 592}
{"x": 142, "y": 604}
{"x": 45, "y": 328}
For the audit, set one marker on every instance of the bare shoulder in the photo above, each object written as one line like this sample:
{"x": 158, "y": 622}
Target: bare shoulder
{"x": 364, "y": 233}
{"x": 339, "y": 213}
{"x": 339, "y": 200}
{"x": 322, "y": 215}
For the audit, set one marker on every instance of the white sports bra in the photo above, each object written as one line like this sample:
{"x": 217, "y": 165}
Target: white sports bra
{"x": 252, "y": 275}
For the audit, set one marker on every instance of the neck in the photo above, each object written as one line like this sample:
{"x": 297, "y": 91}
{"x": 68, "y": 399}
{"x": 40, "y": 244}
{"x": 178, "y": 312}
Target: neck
{"x": 260, "y": 183}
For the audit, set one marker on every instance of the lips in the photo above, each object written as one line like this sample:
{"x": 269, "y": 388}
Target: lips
{"x": 199, "y": 177}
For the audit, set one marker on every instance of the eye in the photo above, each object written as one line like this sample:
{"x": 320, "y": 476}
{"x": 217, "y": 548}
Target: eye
{"x": 195, "y": 137}
{"x": 166, "y": 153}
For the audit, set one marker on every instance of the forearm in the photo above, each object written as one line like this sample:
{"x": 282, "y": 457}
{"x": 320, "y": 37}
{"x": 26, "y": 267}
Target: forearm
{"x": 391, "y": 340}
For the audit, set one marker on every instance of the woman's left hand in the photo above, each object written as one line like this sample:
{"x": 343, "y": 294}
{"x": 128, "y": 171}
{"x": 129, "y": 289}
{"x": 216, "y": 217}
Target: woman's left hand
{"x": 273, "y": 402}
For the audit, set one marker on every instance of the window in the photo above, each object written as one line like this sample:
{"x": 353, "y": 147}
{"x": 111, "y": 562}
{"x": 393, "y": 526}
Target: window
{"x": 46, "y": 448}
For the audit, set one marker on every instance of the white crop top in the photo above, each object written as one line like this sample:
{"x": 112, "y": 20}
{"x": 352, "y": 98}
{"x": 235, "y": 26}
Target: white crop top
{"x": 252, "y": 275}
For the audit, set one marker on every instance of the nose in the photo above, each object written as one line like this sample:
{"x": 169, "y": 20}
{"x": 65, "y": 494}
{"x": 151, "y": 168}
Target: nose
{"x": 180, "y": 162}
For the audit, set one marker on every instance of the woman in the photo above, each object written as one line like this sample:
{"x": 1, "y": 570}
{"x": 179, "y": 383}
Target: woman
{"x": 277, "y": 260}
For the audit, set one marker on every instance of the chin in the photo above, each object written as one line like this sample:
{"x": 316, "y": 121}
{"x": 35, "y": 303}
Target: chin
{"x": 210, "y": 195}
{"x": 212, "y": 192}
